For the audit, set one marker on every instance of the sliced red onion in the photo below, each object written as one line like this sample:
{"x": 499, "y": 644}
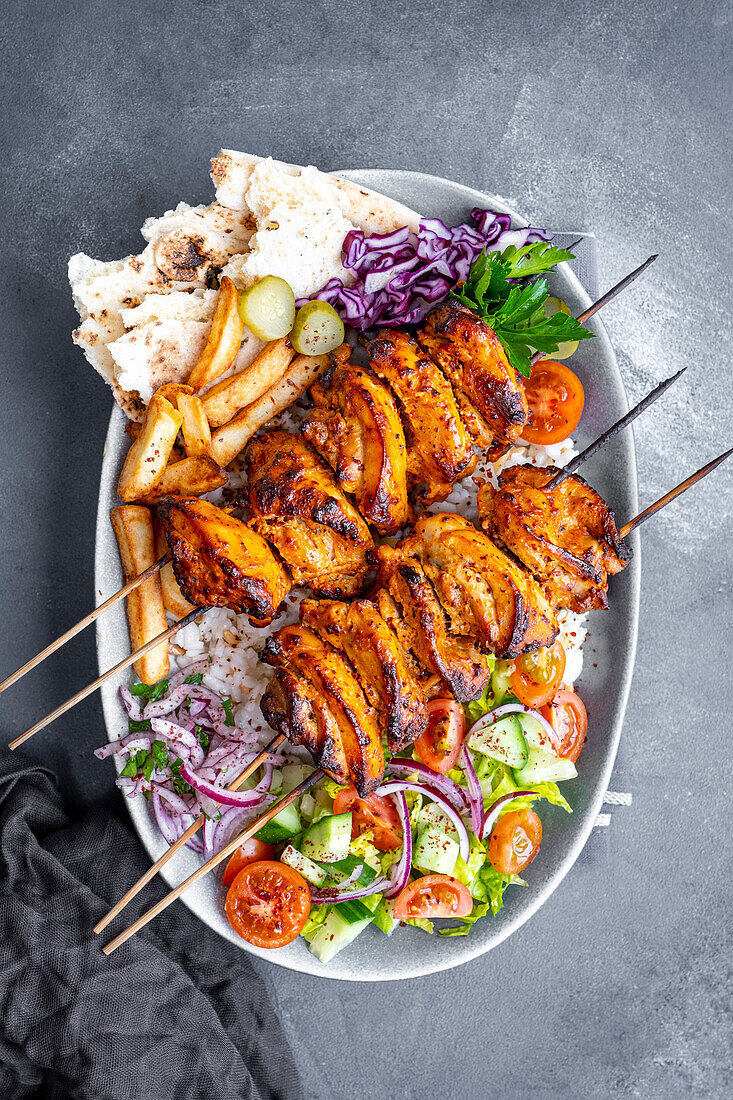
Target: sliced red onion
{"x": 171, "y": 701}
{"x": 475, "y": 794}
{"x": 131, "y": 703}
{"x": 494, "y": 811}
{"x": 168, "y": 827}
{"x": 400, "y": 871}
{"x": 198, "y": 706}
{"x": 336, "y": 893}
{"x": 182, "y": 675}
{"x": 514, "y": 708}
{"x": 218, "y": 794}
{"x": 464, "y": 844}
{"x": 174, "y": 733}
{"x": 130, "y": 743}
{"x": 403, "y": 769}
{"x": 176, "y": 801}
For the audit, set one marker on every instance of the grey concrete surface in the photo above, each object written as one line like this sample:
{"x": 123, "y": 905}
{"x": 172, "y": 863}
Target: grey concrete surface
{"x": 612, "y": 117}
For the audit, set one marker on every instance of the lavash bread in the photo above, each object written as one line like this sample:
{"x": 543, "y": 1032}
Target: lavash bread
{"x": 144, "y": 320}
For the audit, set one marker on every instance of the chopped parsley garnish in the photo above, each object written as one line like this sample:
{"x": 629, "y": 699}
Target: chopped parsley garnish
{"x": 180, "y": 786}
{"x": 517, "y": 313}
{"x": 229, "y": 717}
{"x": 194, "y": 678}
{"x": 203, "y": 736}
{"x": 151, "y": 692}
{"x": 139, "y": 727}
{"x": 159, "y": 751}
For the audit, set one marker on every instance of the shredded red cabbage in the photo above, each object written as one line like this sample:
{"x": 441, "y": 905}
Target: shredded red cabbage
{"x": 400, "y": 276}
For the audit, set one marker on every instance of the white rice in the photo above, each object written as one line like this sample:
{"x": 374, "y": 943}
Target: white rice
{"x": 233, "y": 644}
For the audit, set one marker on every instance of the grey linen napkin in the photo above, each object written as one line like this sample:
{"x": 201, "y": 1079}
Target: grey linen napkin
{"x": 177, "y": 1012}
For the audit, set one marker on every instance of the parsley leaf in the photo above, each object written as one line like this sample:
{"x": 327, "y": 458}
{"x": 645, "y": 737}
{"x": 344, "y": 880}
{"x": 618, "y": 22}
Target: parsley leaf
{"x": 130, "y": 768}
{"x": 516, "y": 312}
{"x": 194, "y": 678}
{"x": 203, "y": 736}
{"x": 151, "y": 692}
{"x": 139, "y": 727}
{"x": 180, "y": 786}
{"x": 160, "y": 754}
{"x": 229, "y": 717}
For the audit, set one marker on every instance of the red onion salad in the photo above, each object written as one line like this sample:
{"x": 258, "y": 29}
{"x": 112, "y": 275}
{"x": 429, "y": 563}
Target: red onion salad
{"x": 400, "y": 276}
{"x": 201, "y": 756}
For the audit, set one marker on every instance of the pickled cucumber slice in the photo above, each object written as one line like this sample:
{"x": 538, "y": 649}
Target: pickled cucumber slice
{"x": 317, "y": 329}
{"x": 268, "y": 308}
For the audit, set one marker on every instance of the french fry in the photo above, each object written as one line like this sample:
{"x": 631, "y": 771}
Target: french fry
{"x": 225, "y": 338}
{"x": 226, "y": 398}
{"x": 229, "y": 439}
{"x": 173, "y": 598}
{"x": 133, "y": 528}
{"x": 196, "y": 430}
{"x": 148, "y": 456}
{"x": 172, "y": 391}
{"x": 191, "y": 477}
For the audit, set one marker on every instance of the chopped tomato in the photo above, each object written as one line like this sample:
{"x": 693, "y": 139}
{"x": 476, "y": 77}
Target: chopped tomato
{"x": 556, "y": 398}
{"x": 441, "y": 743}
{"x": 569, "y": 718}
{"x": 268, "y": 903}
{"x": 538, "y": 675}
{"x": 515, "y": 841}
{"x": 433, "y": 896}
{"x": 251, "y": 851}
{"x": 377, "y": 812}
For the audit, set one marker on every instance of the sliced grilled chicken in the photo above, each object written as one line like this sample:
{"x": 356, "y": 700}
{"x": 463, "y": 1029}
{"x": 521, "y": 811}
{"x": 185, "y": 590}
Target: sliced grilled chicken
{"x": 474, "y": 361}
{"x": 295, "y": 503}
{"x": 382, "y": 667}
{"x": 219, "y": 562}
{"x": 440, "y": 450}
{"x": 357, "y": 429}
{"x": 486, "y": 595}
{"x": 417, "y": 616}
{"x": 567, "y": 538}
{"x": 321, "y": 697}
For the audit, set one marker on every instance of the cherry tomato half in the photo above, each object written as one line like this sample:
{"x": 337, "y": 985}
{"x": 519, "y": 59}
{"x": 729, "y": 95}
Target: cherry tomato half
{"x": 441, "y": 743}
{"x": 515, "y": 841}
{"x": 433, "y": 896}
{"x": 569, "y": 718}
{"x": 556, "y": 398}
{"x": 268, "y": 903}
{"x": 377, "y": 812}
{"x": 538, "y": 675}
{"x": 252, "y": 851}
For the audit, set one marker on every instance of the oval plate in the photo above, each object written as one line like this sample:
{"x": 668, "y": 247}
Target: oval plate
{"x": 605, "y": 683}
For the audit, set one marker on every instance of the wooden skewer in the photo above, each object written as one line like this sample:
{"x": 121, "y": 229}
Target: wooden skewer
{"x": 318, "y": 773}
{"x": 84, "y": 623}
{"x": 670, "y": 496}
{"x": 190, "y": 831}
{"x": 226, "y": 851}
{"x": 630, "y": 416}
{"x": 119, "y": 667}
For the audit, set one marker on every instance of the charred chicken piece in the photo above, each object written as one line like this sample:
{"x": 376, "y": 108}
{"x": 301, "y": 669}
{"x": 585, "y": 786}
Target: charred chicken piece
{"x": 380, "y": 662}
{"x": 439, "y": 446}
{"x": 474, "y": 361}
{"x": 219, "y": 562}
{"x": 295, "y": 503}
{"x": 410, "y": 604}
{"x": 357, "y": 429}
{"x": 319, "y": 703}
{"x": 567, "y": 538}
{"x": 485, "y": 594}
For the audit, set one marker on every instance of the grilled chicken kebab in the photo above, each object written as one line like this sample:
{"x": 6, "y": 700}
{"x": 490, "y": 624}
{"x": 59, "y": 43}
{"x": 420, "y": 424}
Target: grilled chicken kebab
{"x": 566, "y": 537}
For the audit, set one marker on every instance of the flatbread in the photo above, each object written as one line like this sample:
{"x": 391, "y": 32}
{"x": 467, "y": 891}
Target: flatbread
{"x": 144, "y": 319}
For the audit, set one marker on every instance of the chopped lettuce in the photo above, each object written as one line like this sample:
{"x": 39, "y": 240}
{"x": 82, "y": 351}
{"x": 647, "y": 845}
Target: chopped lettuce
{"x": 384, "y": 918}
{"x": 316, "y": 917}
{"x": 363, "y": 847}
{"x": 425, "y": 925}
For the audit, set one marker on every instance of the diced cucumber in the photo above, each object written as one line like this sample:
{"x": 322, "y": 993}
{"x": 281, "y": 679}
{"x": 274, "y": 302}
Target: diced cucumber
{"x": 500, "y": 678}
{"x": 307, "y": 806}
{"x": 432, "y": 815}
{"x": 436, "y": 852}
{"x": 504, "y": 741}
{"x": 353, "y": 911}
{"x": 341, "y": 870}
{"x": 544, "y": 767}
{"x": 310, "y": 871}
{"x": 282, "y": 827}
{"x": 535, "y": 733}
{"x": 327, "y": 841}
{"x": 335, "y": 934}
